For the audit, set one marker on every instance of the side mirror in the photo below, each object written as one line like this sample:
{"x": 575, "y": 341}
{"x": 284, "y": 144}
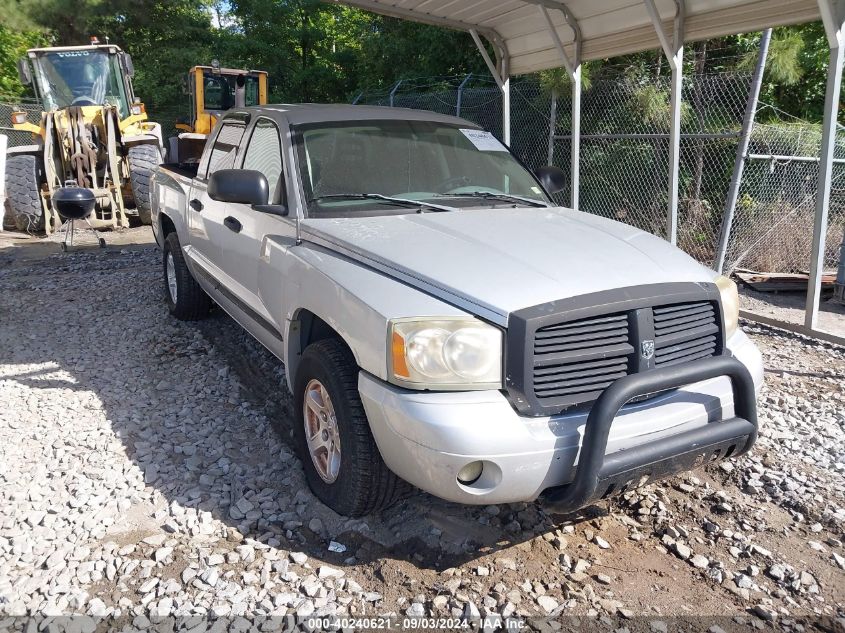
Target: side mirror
{"x": 245, "y": 186}
{"x": 128, "y": 66}
{"x": 553, "y": 179}
{"x": 280, "y": 209}
{"x": 24, "y": 72}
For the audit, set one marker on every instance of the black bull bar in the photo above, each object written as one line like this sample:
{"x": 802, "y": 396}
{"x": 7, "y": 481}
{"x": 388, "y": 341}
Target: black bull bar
{"x": 598, "y": 475}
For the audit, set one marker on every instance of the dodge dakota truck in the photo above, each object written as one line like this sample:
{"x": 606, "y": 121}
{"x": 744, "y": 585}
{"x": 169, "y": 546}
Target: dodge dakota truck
{"x": 442, "y": 321}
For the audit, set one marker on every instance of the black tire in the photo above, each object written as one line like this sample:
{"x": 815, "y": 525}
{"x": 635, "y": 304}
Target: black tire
{"x": 192, "y": 303}
{"x": 364, "y": 484}
{"x": 142, "y": 160}
{"x": 23, "y": 192}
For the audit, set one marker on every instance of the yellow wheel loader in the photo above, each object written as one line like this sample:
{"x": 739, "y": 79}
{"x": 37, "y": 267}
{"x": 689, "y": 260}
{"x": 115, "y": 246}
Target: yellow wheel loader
{"x": 213, "y": 91}
{"x": 93, "y": 132}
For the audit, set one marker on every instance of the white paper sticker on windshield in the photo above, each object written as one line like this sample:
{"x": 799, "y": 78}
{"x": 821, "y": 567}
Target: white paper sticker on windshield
{"x": 484, "y": 141}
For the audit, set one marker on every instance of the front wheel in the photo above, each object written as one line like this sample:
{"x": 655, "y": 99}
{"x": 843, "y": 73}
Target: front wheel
{"x": 343, "y": 466}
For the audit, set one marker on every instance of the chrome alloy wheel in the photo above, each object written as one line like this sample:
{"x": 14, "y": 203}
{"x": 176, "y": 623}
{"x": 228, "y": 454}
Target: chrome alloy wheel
{"x": 321, "y": 432}
{"x": 172, "y": 288}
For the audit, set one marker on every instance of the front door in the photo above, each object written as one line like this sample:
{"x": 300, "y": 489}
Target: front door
{"x": 206, "y": 216}
{"x": 244, "y": 242}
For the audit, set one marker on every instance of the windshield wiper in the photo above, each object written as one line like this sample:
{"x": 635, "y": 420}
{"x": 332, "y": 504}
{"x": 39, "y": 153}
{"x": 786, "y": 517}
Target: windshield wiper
{"x": 377, "y": 196}
{"x": 487, "y": 195}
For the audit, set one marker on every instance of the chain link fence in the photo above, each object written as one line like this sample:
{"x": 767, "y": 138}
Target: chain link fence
{"x": 33, "y": 115}
{"x": 625, "y": 158}
{"x": 775, "y": 211}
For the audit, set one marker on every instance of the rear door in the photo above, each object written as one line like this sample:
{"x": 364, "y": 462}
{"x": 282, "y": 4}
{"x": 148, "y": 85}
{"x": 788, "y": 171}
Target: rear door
{"x": 206, "y": 216}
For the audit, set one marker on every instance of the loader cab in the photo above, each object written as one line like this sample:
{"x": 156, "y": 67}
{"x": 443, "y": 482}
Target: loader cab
{"x": 213, "y": 91}
{"x": 94, "y": 75}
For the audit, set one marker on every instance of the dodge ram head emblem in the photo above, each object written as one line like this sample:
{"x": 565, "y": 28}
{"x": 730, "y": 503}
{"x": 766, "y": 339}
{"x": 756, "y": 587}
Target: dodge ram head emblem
{"x": 647, "y": 349}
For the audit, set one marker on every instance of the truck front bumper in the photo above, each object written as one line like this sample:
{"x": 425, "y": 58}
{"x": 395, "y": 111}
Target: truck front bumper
{"x": 427, "y": 438}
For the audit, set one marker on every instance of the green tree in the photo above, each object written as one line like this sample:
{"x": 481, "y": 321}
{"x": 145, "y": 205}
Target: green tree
{"x": 13, "y": 45}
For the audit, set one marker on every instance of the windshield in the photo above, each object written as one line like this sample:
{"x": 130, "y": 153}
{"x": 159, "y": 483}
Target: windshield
{"x": 86, "y": 77}
{"x": 351, "y": 168}
{"x": 220, "y": 90}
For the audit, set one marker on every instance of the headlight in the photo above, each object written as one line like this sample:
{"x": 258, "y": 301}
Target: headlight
{"x": 445, "y": 354}
{"x": 730, "y": 304}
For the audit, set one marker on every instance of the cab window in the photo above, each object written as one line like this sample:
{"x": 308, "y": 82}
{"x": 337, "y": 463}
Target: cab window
{"x": 226, "y": 146}
{"x": 264, "y": 154}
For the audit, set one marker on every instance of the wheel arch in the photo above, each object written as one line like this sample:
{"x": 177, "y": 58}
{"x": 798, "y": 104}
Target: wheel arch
{"x": 305, "y": 328}
{"x": 166, "y": 225}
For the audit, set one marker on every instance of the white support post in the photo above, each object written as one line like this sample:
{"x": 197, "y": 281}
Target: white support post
{"x": 674, "y": 50}
{"x": 833, "y": 17}
{"x": 573, "y": 68}
{"x": 4, "y": 141}
{"x": 575, "y": 147}
{"x": 506, "y": 101}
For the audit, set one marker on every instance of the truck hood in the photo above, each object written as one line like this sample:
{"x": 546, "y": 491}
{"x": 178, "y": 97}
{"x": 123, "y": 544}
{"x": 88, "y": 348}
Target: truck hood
{"x": 502, "y": 260}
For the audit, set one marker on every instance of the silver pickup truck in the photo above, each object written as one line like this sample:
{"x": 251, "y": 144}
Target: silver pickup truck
{"x": 442, "y": 321}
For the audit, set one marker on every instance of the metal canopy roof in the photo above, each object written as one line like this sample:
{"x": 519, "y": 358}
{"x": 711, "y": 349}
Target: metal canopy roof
{"x": 608, "y": 27}
{"x": 532, "y": 35}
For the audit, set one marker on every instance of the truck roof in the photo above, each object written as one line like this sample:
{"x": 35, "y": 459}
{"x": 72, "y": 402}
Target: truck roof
{"x": 303, "y": 113}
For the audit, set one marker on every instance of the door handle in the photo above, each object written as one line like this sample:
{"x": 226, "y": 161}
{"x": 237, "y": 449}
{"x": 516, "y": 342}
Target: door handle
{"x": 232, "y": 224}
{"x": 196, "y": 205}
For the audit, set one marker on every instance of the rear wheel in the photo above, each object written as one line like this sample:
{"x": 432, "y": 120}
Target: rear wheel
{"x": 186, "y": 300}
{"x": 342, "y": 463}
{"x": 142, "y": 160}
{"x": 23, "y": 192}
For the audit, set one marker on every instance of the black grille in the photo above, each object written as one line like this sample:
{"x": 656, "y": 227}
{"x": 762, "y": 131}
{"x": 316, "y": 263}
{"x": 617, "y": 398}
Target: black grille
{"x": 565, "y": 355}
{"x": 684, "y": 332}
{"x": 579, "y": 359}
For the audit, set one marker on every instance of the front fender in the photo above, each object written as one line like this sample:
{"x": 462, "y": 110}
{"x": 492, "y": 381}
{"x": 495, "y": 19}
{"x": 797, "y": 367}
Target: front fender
{"x": 356, "y": 301}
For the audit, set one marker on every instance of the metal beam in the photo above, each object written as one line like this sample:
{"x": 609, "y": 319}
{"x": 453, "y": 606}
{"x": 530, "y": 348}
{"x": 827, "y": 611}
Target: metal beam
{"x": 674, "y": 50}
{"x": 742, "y": 150}
{"x": 491, "y": 66}
{"x": 792, "y": 159}
{"x": 567, "y": 62}
{"x": 501, "y": 73}
{"x": 393, "y": 92}
{"x": 460, "y": 98}
{"x": 833, "y": 16}
{"x": 792, "y": 327}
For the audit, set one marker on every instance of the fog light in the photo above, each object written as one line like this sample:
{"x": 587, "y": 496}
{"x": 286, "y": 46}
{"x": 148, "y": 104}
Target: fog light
{"x": 18, "y": 118}
{"x": 470, "y": 473}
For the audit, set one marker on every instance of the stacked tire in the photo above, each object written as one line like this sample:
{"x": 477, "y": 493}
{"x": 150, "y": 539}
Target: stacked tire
{"x": 142, "y": 160}
{"x": 23, "y": 194}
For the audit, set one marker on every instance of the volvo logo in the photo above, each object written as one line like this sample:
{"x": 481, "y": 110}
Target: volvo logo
{"x": 647, "y": 349}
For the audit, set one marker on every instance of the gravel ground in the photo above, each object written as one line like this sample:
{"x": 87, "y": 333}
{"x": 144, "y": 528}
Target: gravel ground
{"x": 146, "y": 470}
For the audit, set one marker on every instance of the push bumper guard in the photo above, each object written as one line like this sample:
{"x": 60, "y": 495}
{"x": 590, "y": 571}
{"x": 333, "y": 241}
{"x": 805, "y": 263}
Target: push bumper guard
{"x": 598, "y": 475}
